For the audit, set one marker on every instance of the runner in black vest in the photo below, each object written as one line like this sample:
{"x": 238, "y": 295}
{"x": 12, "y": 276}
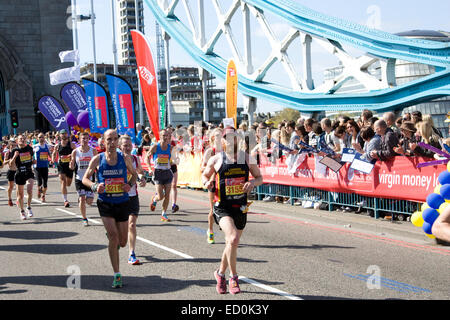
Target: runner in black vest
{"x": 11, "y": 169}
{"x": 64, "y": 151}
{"x": 233, "y": 184}
{"x": 23, "y": 158}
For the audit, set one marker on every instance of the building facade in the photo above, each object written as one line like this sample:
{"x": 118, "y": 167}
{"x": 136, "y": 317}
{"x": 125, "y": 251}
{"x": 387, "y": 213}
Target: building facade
{"x": 126, "y": 21}
{"x": 32, "y": 33}
{"x": 187, "y": 97}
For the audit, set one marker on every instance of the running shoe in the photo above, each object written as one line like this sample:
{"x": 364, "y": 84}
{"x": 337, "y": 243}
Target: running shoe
{"x": 22, "y": 215}
{"x": 175, "y": 208}
{"x": 43, "y": 198}
{"x": 29, "y": 212}
{"x": 85, "y": 222}
{"x": 132, "y": 259}
{"x": 164, "y": 217}
{"x": 117, "y": 283}
{"x": 153, "y": 204}
{"x": 210, "y": 237}
{"x": 234, "y": 285}
{"x": 66, "y": 204}
{"x": 10, "y": 202}
{"x": 221, "y": 286}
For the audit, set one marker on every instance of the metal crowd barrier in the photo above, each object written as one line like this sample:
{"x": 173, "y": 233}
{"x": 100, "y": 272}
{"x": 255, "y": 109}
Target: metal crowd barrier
{"x": 400, "y": 209}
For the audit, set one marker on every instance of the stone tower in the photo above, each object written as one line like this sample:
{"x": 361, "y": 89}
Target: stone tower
{"x": 32, "y": 33}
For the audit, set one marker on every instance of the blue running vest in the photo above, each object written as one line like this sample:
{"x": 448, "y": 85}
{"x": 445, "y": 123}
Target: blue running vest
{"x": 113, "y": 177}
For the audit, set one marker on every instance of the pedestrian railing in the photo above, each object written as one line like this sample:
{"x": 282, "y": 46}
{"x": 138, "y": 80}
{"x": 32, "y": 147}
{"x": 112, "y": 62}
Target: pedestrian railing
{"x": 335, "y": 200}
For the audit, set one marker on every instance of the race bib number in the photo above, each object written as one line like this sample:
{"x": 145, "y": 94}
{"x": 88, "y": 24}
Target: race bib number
{"x": 43, "y": 156}
{"x": 163, "y": 159}
{"x": 114, "y": 185}
{"x": 84, "y": 162}
{"x": 25, "y": 157}
{"x": 234, "y": 186}
{"x": 65, "y": 158}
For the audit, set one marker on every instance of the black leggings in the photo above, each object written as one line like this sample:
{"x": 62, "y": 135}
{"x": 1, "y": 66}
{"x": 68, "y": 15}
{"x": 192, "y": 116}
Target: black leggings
{"x": 42, "y": 176}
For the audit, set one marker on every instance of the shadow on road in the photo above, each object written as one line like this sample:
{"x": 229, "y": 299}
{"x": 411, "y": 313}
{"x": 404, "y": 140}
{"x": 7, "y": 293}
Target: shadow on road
{"x": 151, "y": 259}
{"x": 53, "y": 248}
{"x": 37, "y": 220}
{"x": 132, "y": 285}
{"x": 36, "y": 235}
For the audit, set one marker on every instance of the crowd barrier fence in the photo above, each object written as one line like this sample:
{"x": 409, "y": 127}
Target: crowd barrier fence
{"x": 396, "y": 186}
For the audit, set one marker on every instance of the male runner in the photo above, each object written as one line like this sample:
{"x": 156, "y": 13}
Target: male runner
{"x": 233, "y": 169}
{"x": 23, "y": 158}
{"x": 127, "y": 146}
{"x": 41, "y": 155}
{"x": 163, "y": 175}
{"x": 113, "y": 200}
{"x": 11, "y": 169}
{"x": 64, "y": 151}
{"x": 215, "y": 147}
{"x": 79, "y": 162}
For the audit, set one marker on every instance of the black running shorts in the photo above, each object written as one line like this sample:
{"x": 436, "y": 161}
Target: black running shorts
{"x": 118, "y": 211}
{"x": 239, "y": 218}
{"x": 163, "y": 176}
{"x": 133, "y": 206}
{"x": 22, "y": 178}
{"x": 10, "y": 175}
{"x": 64, "y": 169}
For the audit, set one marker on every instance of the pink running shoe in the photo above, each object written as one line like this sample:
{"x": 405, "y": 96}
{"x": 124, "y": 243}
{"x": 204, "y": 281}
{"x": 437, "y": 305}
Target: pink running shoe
{"x": 234, "y": 285}
{"x": 221, "y": 286}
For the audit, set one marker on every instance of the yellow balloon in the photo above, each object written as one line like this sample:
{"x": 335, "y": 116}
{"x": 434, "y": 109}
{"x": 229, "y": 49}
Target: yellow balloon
{"x": 443, "y": 206}
{"x": 416, "y": 219}
{"x": 430, "y": 236}
{"x": 437, "y": 189}
{"x": 424, "y": 206}
{"x": 448, "y": 166}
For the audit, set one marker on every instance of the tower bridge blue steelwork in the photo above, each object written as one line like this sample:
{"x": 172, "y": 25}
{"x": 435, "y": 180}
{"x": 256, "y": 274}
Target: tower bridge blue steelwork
{"x": 333, "y": 31}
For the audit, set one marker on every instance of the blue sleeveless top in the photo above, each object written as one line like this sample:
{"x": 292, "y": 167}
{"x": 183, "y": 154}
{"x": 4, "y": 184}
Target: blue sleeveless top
{"x": 42, "y": 154}
{"x": 161, "y": 158}
{"x": 113, "y": 177}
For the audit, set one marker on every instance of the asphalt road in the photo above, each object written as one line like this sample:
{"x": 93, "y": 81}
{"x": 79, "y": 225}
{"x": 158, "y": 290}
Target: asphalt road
{"x": 286, "y": 253}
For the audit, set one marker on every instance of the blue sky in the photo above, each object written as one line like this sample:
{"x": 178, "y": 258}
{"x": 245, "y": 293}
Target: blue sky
{"x": 390, "y": 16}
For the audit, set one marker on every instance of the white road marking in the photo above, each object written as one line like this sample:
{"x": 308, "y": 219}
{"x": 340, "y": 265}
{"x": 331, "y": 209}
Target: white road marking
{"x": 181, "y": 254}
{"x": 268, "y": 288}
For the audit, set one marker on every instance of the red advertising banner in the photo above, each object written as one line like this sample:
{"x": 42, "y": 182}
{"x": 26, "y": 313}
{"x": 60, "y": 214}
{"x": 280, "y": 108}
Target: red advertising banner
{"x": 147, "y": 79}
{"x": 395, "y": 179}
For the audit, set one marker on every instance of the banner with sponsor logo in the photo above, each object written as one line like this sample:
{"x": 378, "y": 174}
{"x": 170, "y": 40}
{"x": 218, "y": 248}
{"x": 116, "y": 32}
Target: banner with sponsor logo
{"x": 121, "y": 95}
{"x": 52, "y": 110}
{"x": 147, "y": 79}
{"x": 97, "y": 106}
{"x": 162, "y": 111}
{"x": 231, "y": 91}
{"x": 398, "y": 178}
{"x": 74, "y": 97}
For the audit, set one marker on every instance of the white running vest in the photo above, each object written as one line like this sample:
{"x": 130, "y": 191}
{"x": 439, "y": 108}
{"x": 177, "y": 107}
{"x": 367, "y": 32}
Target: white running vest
{"x": 82, "y": 161}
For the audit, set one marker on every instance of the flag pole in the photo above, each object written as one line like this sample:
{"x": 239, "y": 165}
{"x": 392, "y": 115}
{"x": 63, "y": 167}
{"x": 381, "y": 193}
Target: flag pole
{"x": 141, "y": 104}
{"x": 113, "y": 18}
{"x": 93, "y": 39}
{"x": 74, "y": 27}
